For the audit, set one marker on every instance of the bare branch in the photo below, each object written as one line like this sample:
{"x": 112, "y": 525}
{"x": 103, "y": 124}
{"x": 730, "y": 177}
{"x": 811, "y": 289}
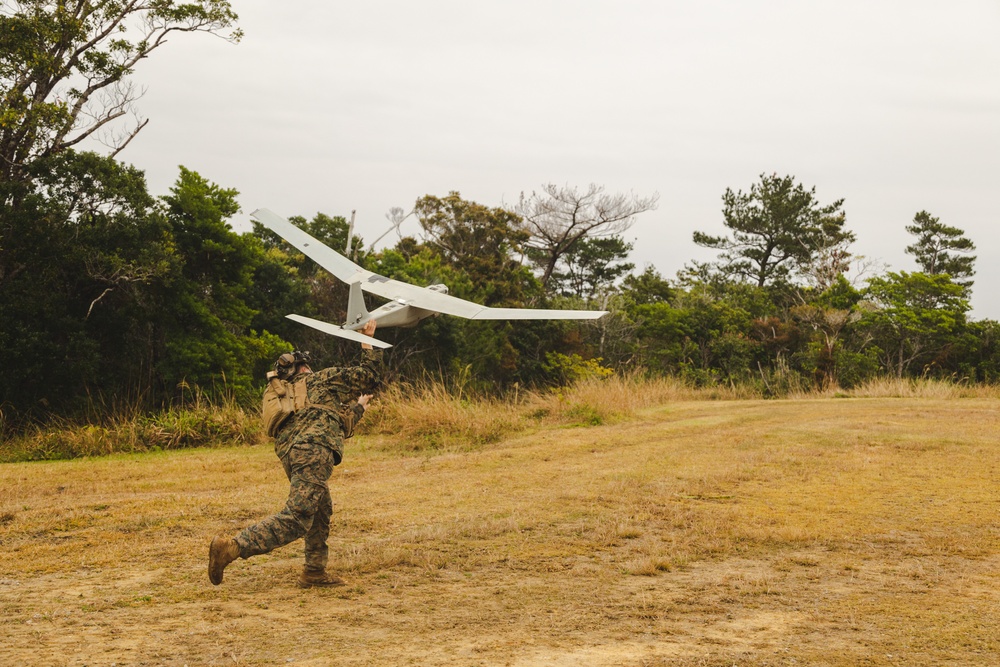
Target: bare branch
{"x": 94, "y": 302}
{"x": 127, "y": 141}
{"x": 560, "y": 216}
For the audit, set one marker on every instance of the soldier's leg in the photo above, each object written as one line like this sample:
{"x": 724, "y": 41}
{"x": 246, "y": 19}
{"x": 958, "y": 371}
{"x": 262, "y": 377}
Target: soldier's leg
{"x": 317, "y": 551}
{"x": 308, "y": 468}
{"x": 314, "y": 572}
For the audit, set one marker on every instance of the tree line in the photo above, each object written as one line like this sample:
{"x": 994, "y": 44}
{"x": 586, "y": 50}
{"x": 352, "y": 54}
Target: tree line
{"x": 115, "y": 297}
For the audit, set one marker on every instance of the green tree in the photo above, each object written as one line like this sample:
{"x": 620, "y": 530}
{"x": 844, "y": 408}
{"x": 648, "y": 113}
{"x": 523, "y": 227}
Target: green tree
{"x": 648, "y": 287}
{"x": 829, "y": 315}
{"x": 594, "y": 265}
{"x": 277, "y": 290}
{"x": 65, "y": 66}
{"x": 719, "y": 347}
{"x": 204, "y": 328}
{"x": 479, "y": 241}
{"x": 702, "y": 333}
{"x": 663, "y": 338}
{"x": 980, "y": 354}
{"x": 942, "y": 248}
{"x": 778, "y": 229}
{"x": 80, "y": 257}
{"x": 915, "y": 317}
{"x": 86, "y": 254}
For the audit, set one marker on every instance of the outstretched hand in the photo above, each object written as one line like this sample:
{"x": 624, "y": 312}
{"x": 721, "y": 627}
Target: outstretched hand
{"x": 368, "y": 330}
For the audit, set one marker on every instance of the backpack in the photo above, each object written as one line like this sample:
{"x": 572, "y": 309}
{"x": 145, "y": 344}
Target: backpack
{"x": 282, "y": 399}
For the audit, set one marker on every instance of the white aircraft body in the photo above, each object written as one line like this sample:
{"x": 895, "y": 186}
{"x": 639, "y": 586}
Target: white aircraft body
{"x": 408, "y": 304}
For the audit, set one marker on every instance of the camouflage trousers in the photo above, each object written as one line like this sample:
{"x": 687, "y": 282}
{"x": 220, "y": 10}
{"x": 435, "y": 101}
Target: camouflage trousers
{"x": 307, "y": 511}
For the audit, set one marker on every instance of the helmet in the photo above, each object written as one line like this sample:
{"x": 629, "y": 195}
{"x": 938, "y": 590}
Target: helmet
{"x": 287, "y": 364}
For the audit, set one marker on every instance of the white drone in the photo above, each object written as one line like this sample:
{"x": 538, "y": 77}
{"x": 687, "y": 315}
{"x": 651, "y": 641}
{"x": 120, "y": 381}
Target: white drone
{"x": 408, "y": 304}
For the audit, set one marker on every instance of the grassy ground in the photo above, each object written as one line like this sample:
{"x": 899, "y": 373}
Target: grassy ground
{"x": 820, "y": 531}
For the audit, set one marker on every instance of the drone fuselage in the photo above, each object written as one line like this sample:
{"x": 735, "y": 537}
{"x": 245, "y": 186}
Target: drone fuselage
{"x": 396, "y": 313}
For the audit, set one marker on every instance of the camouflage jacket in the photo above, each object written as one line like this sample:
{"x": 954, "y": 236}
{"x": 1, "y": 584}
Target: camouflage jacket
{"x": 333, "y": 393}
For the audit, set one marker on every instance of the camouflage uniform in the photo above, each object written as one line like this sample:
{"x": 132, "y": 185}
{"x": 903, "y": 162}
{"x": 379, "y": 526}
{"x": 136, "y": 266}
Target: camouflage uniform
{"x": 309, "y": 445}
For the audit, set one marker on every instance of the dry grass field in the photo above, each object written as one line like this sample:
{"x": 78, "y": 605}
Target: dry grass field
{"x": 818, "y": 531}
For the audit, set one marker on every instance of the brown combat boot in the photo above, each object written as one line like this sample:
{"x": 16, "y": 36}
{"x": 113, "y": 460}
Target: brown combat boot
{"x": 222, "y": 552}
{"x": 310, "y": 578}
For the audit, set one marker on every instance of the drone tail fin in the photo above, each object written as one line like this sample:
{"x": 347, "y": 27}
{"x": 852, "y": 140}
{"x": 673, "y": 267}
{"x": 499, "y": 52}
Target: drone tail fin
{"x": 357, "y": 312}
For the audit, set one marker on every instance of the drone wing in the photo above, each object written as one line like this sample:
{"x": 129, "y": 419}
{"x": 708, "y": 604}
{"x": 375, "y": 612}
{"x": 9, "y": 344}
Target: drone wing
{"x": 537, "y": 314}
{"x": 400, "y": 292}
{"x": 328, "y": 258}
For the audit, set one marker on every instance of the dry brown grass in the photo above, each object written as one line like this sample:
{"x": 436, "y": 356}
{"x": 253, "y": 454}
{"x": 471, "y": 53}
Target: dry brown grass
{"x": 686, "y": 532}
{"x": 432, "y": 417}
{"x": 928, "y": 388}
{"x": 222, "y": 423}
{"x": 428, "y": 416}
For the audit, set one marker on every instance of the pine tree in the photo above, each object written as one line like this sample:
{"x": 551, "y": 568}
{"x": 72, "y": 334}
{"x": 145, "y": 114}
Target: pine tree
{"x": 942, "y": 249}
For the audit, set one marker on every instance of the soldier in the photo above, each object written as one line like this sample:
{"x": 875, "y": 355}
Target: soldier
{"x": 308, "y": 444}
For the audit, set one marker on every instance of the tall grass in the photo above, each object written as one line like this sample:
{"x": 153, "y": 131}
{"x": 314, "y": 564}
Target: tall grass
{"x": 431, "y": 415}
{"x": 205, "y": 423}
{"x": 922, "y": 388}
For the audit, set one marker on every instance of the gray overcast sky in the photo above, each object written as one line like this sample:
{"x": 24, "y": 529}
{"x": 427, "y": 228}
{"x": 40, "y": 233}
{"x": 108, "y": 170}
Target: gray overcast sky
{"x": 330, "y": 106}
